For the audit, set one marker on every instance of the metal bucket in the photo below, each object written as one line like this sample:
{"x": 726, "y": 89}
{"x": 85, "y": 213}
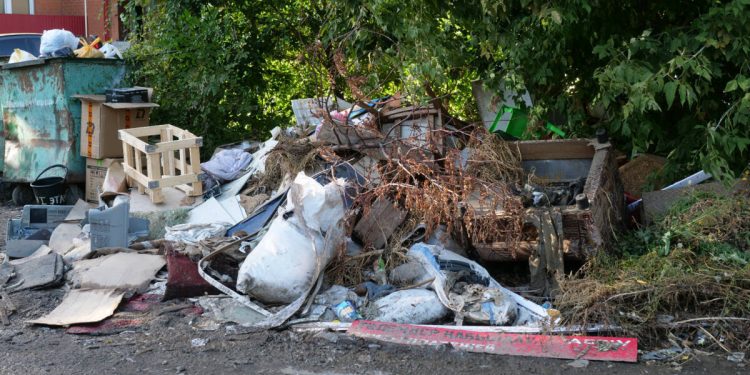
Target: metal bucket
{"x": 50, "y": 190}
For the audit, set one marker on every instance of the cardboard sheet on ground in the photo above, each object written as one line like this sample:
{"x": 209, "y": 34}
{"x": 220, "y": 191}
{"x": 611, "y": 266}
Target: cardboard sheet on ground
{"x": 39, "y": 272}
{"x": 41, "y": 251}
{"x": 82, "y": 306}
{"x": 121, "y": 271}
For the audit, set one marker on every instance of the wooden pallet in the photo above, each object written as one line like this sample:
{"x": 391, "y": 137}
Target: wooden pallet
{"x": 174, "y": 161}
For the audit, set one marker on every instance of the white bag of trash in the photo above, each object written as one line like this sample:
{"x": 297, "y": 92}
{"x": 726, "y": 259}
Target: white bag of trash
{"x": 19, "y": 55}
{"x": 412, "y": 306}
{"x": 486, "y": 305}
{"x": 110, "y": 51}
{"x": 298, "y": 245}
{"x": 55, "y": 39}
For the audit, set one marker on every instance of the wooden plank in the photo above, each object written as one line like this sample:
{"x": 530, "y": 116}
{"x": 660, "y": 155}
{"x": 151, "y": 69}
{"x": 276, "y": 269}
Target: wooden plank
{"x": 133, "y": 141}
{"x": 153, "y": 168}
{"x": 169, "y": 159}
{"x": 146, "y": 130}
{"x": 183, "y": 162}
{"x": 187, "y": 189}
{"x": 593, "y": 348}
{"x": 169, "y": 181}
{"x": 409, "y": 109}
{"x": 176, "y": 145}
{"x": 138, "y": 177}
{"x": 556, "y": 149}
{"x": 139, "y": 168}
{"x": 376, "y": 226}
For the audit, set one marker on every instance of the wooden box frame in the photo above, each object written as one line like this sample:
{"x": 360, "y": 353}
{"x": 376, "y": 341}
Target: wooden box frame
{"x": 172, "y": 162}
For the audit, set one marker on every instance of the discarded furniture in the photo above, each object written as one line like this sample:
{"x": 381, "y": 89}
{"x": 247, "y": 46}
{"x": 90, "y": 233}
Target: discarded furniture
{"x": 172, "y": 161}
{"x": 41, "y": 120}
{"x": 552, "y": 235}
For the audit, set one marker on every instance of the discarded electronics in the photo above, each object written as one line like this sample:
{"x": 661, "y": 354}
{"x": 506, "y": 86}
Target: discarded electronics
{"x": 33, "y": 229}
{"x": 111, "y": 226}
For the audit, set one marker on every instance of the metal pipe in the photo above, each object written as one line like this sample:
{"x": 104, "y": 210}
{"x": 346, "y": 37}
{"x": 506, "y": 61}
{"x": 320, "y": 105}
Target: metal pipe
{"x": 86, "y": 18}
{"x": 694, "y": 179}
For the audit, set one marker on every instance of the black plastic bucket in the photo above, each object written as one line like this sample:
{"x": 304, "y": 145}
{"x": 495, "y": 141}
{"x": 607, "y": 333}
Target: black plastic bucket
{"x": 50, "y": 190}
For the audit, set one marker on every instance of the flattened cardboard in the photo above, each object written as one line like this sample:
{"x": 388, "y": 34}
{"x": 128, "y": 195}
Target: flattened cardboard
{"x": 39, "y": 272}
{"x": 100, "y": 122}
{"x": 121, "y": 271}
{"x": 82, "y": 306}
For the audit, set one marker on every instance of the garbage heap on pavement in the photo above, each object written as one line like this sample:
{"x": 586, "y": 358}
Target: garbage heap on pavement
{"x": 380, "y": 211}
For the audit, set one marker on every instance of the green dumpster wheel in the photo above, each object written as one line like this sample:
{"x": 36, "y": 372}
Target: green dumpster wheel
{"x": 23, "y": 195}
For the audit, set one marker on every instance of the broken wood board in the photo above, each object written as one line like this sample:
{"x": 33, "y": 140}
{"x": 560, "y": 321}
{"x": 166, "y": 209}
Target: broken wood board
{"x": 593, "y": 348}
{"x": 82, "y": 306}
{"x": 376, "y": 226}
{"x": 121, "y": 271}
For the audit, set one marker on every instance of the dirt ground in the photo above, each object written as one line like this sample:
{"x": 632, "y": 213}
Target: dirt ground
{"x": 163, "y": 346}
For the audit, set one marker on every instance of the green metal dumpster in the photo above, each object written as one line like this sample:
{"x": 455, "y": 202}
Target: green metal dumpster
{"x": 41, "y": 121}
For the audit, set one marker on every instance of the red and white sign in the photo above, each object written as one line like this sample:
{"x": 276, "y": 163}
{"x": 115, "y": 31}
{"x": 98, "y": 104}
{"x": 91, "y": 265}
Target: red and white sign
{"x": 594, "y": 348}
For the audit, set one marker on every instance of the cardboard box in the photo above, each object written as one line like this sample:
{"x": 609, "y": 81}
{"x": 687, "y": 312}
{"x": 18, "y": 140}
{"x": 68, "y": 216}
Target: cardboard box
{"x": 96, "y": 172}
{"x": 100, "y": 122}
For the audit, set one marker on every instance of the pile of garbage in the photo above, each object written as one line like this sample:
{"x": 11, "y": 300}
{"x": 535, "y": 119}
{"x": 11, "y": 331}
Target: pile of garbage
{"x": 63, "y": 43}
{"x": 373, "y": 212}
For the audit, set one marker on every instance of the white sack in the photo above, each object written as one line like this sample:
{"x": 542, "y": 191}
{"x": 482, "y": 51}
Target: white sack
{"x": 411, "y": 306}
{"x": 282, "y": 267}
{"x": 20, "y": 55}
{"x": 53, "y": 40}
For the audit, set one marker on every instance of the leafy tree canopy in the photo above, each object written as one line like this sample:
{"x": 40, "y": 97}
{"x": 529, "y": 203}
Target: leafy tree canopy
{"x": 668, "y": 77}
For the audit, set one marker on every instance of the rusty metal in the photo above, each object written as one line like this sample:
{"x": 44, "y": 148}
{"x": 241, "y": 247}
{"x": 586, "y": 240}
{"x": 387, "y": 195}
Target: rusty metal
{"x": 40, "y": 119}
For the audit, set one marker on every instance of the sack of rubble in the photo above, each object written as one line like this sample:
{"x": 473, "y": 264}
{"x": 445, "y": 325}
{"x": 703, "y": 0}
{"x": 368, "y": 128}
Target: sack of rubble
{"x": 298, "y": 245}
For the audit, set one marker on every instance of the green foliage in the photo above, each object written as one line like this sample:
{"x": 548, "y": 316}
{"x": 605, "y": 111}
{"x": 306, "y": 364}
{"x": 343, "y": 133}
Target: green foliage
{"x": 669, "y": 77}
{"x": 224, "y": 70}
{"x": 705, "y": 223}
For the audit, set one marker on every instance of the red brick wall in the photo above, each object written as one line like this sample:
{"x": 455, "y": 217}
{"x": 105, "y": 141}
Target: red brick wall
{"x": 96, "y": 14}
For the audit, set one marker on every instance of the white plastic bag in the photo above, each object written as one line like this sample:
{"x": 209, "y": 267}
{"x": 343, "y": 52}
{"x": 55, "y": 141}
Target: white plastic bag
{"x": 53, "y": 40}
{"x": 192, "y": 234}
{"x": 298, "y": 244}
{"x": 110, "y": 51}
{"x": 20, "y": 56}
{"x": 411, "y": 306}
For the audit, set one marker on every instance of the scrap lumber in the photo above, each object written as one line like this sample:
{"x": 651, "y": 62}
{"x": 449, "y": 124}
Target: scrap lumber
{"x": 377, "y": 225}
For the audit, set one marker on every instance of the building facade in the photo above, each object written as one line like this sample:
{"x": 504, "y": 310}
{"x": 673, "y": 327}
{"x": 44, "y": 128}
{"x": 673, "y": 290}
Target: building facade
{"x": 82, "y": 17}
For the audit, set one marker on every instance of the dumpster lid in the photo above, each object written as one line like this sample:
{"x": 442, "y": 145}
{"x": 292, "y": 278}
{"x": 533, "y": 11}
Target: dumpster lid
{"x": 102, "y": 99}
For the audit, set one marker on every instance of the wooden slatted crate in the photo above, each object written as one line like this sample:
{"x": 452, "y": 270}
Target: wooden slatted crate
{"x": 173, "y": 161}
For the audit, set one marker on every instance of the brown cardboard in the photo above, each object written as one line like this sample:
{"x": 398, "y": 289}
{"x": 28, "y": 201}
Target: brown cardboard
{"x": 96, "y": 172}
{"x": 116, "y": 181}
{"x": 100, "y": 122}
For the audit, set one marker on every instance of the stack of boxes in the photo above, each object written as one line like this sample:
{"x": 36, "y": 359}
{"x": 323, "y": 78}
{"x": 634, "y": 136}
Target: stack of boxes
{"x": 101, "y": 118}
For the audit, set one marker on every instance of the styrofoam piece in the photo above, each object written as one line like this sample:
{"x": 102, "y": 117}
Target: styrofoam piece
{"x": 210, "y": 211}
